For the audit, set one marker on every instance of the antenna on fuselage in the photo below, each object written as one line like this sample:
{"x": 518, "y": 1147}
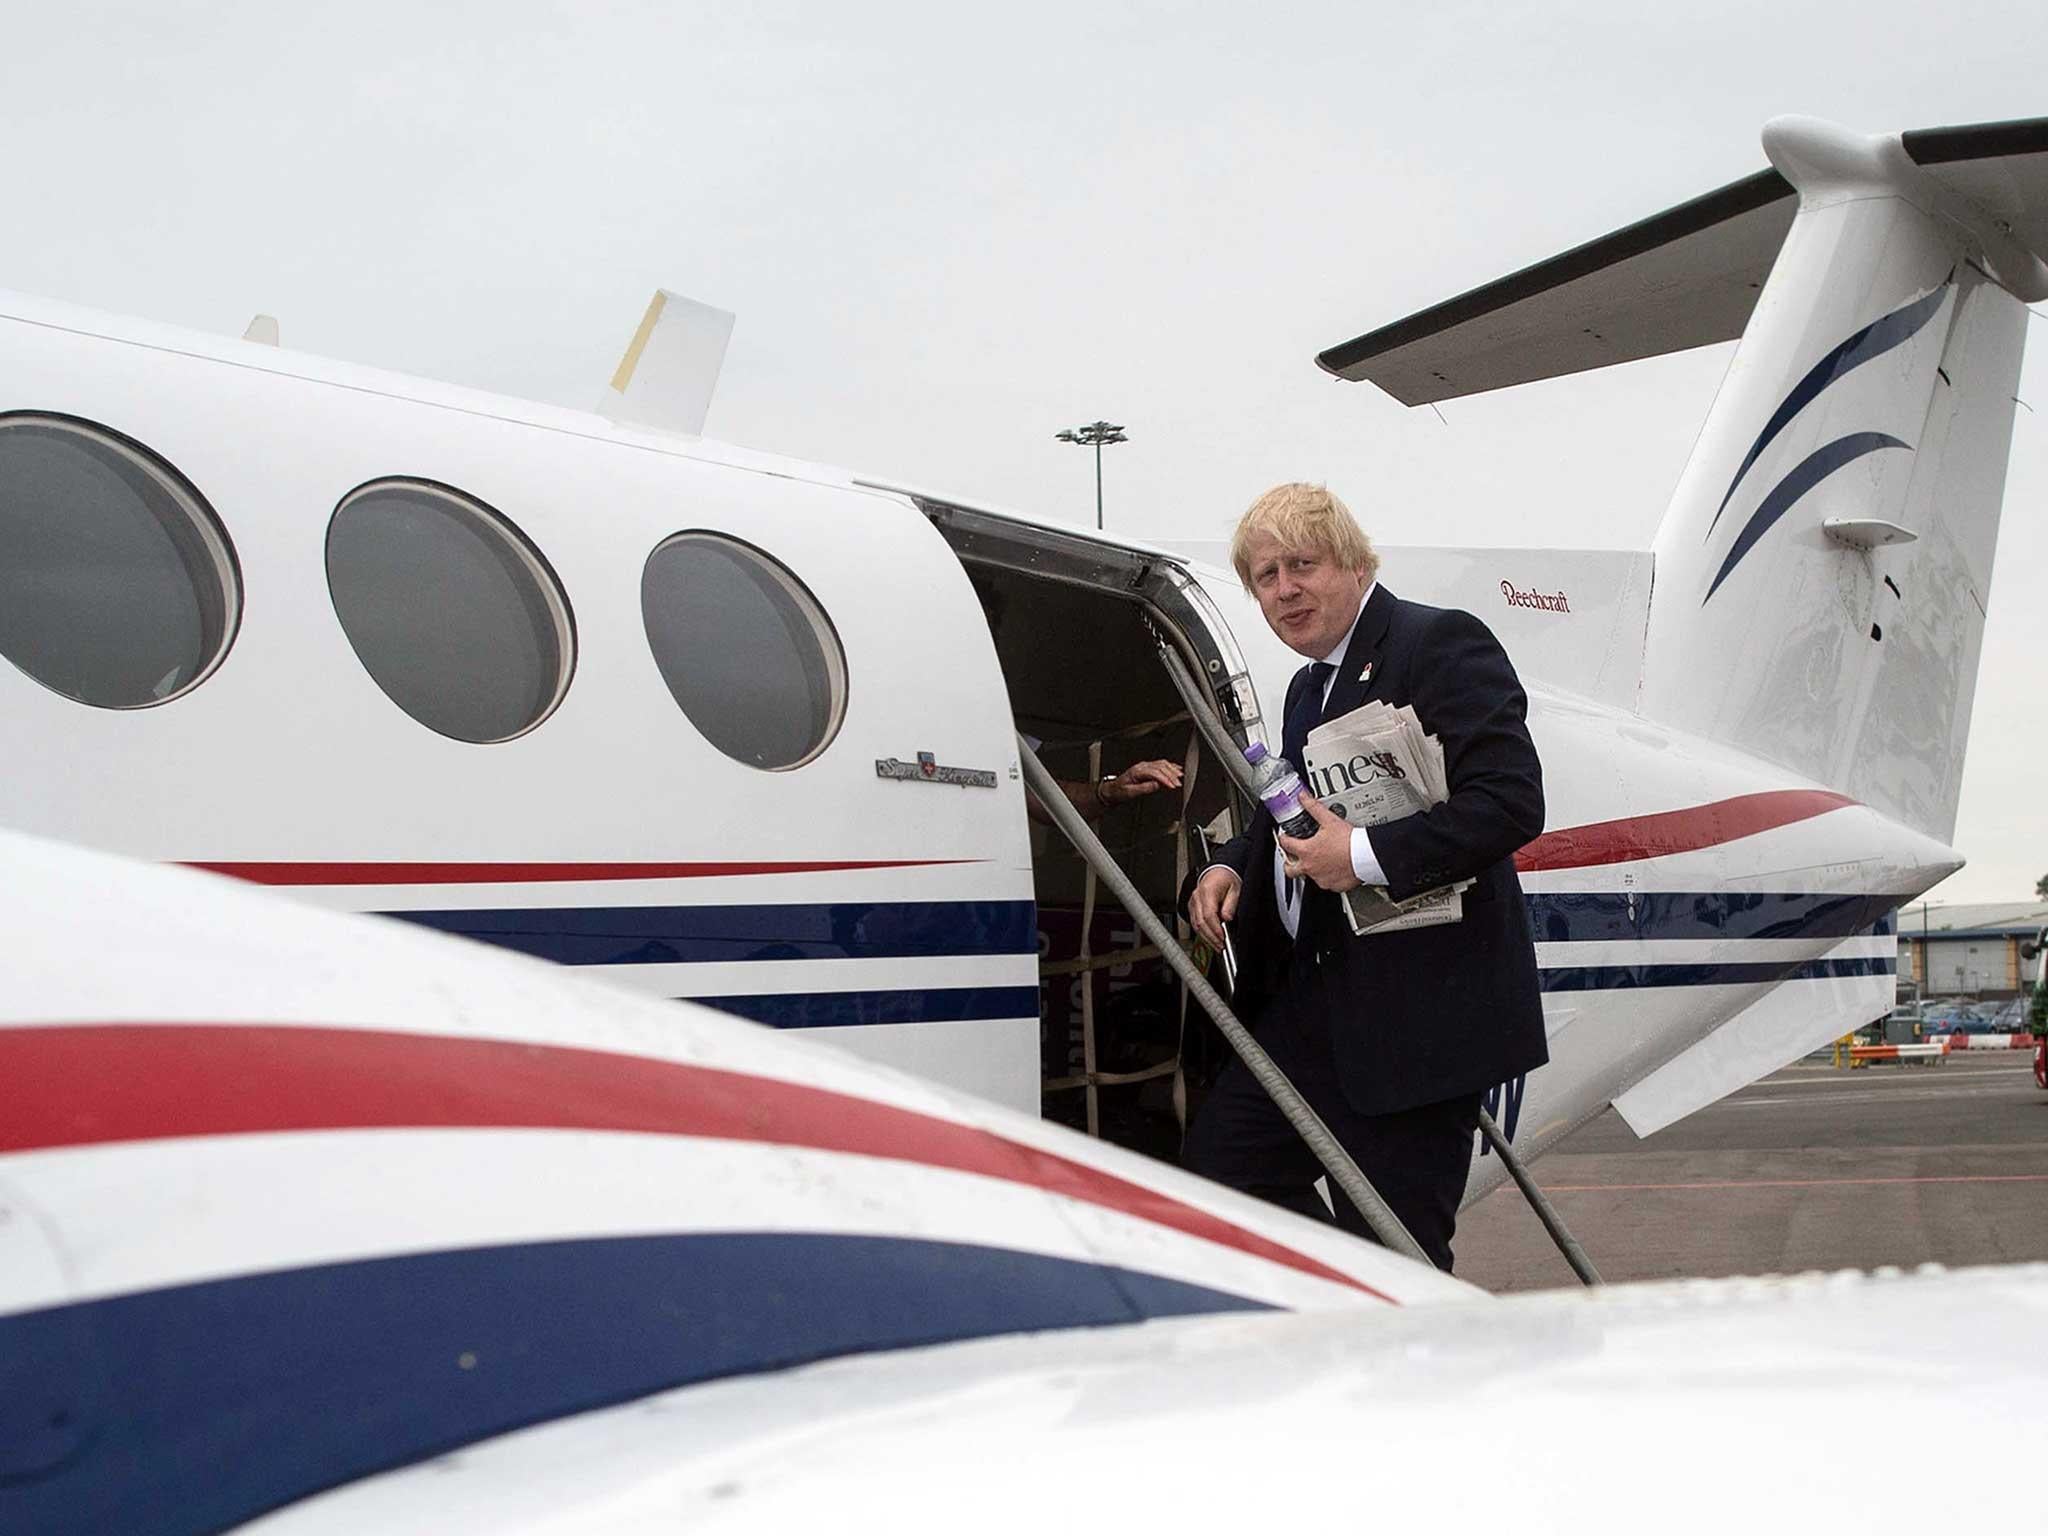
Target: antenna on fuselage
{"x": 262, "y": 329}
{"x": 666, "y": 379}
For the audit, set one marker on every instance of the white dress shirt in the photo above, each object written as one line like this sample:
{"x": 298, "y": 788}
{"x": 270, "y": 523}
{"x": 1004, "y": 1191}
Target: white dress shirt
{"x": 1364, "y": 863}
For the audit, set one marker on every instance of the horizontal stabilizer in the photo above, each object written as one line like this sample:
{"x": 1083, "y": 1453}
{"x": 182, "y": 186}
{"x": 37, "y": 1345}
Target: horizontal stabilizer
{"x": 1685, "y": 278}
{"x": 2000, "y": 167}
{"x": 1689, "y": 276}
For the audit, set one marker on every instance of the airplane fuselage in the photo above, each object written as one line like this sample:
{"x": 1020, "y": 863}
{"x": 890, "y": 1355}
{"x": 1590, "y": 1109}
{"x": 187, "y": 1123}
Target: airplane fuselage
{"x": 876, "y": 882}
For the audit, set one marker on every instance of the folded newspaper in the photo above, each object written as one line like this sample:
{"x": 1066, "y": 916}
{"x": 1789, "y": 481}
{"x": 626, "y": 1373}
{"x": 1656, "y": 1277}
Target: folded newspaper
{"x": 1377, "y": 765}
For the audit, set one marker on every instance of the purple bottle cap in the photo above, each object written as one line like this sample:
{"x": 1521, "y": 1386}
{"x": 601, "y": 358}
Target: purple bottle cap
{"x": 1256, "y": 753}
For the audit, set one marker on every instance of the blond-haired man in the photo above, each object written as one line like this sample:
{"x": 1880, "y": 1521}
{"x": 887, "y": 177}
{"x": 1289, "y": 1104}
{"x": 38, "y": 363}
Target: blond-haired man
{"x": 1393, "y": 1038}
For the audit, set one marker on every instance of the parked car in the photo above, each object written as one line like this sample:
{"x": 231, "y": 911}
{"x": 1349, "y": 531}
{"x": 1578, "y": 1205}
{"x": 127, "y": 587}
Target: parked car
{"x": 1987, "y": 1020}
{"x": 2010, "y": 1017}
{"x": 1942, "y": 1018}
{"x": 1976, "y": 1019}
{"x": 1953, "y": 1018}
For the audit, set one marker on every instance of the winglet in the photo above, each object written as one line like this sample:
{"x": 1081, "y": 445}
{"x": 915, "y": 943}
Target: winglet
{"x": 670, "y": 368}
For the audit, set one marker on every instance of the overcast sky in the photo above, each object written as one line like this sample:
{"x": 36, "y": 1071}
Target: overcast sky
{"x": 949, "y": 232}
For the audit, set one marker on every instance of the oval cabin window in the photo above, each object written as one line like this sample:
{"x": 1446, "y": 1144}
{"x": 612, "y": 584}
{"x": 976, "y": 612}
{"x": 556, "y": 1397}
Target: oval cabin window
{"x": 453, "y": 613}
{"x": 744, "y": 647}
{"x": 118, "y": 586}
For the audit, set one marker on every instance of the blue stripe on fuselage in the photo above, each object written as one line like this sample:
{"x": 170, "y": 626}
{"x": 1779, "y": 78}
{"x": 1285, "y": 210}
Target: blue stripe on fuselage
{"x": 852, "y": 930}
{"x": 197, "y": 1407}
{"x": 911, "y": 930}
{"x": 1570, "y": 917}
{"x": 897, "y": 930}
{"x": 1596, "y": 978}
{"x": 901, "y": 1005}
{"x": 1581, "y": 917}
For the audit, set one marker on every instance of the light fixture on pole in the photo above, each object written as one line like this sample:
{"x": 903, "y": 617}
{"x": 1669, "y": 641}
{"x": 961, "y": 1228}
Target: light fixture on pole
{"x": 1094, "y": 435}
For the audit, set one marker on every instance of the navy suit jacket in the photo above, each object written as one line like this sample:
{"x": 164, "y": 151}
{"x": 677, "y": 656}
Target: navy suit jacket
{"x": 1430, "y": 1013}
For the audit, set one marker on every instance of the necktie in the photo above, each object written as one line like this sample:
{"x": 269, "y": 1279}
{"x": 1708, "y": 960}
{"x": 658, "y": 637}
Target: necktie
{"x": 1306, "y": 714}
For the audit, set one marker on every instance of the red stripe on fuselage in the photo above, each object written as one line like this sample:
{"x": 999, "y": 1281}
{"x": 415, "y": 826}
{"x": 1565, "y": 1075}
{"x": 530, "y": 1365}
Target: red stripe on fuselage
{"x": 303, "y": 873}
{"x": 1597, "y": 842}
{"x": 84, "y": 1085}
{"x": 1668, "y": 832}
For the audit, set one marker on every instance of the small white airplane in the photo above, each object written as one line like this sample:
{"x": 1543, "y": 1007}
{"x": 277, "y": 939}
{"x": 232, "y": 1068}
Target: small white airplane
{"x": 324, "y": 1224}
{"x": 728, "y": 727}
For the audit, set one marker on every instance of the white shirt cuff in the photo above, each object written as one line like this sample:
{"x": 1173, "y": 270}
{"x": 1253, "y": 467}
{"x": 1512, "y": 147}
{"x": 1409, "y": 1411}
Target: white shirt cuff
{"x": 1364, "y": 863}
{"x": 1219, "y": 864}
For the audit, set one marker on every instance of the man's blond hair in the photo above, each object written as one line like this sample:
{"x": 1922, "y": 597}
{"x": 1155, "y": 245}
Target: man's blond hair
{"x": 1308, "y": 518}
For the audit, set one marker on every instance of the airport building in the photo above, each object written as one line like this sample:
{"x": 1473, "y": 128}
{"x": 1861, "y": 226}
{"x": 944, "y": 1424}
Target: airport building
{"x": 1970, "y": 949}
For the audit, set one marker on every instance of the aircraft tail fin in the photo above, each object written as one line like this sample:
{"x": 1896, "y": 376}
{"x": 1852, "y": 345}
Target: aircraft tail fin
{"x": 1823, "y": 569}
{"x": 1822, "y": 572}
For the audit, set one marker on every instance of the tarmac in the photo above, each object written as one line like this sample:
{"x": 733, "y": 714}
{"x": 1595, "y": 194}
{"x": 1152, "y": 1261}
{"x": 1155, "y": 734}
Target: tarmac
{"x": 1813, "y": 1167}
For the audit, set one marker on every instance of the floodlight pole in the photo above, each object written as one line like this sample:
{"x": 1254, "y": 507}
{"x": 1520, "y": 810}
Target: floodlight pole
{"x": 1094, "y": 435}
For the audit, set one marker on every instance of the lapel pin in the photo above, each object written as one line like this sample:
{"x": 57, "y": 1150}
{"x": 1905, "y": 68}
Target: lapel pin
{"x": 1365, "y": 675}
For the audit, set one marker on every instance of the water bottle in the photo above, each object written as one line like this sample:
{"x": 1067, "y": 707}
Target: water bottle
{"x": 1279, "y": 786}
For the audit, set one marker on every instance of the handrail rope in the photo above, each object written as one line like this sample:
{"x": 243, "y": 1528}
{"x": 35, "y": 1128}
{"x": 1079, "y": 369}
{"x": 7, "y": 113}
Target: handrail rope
{"x": 1206, "y": 721}
{"x": 1191, "y": 767}
{"x": 1088, "y": 890}
{"x": 1574, "y": 1254}
{"x": 1343, "y": 1171}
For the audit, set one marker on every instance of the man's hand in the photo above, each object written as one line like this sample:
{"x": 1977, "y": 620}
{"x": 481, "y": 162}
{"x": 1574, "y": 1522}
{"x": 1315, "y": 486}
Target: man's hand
{"x": 1139, "y": 780}
{"x": 1213, "y": 904}
{"x": 1094, "y": 797}
{"x": 1324, "y": 858}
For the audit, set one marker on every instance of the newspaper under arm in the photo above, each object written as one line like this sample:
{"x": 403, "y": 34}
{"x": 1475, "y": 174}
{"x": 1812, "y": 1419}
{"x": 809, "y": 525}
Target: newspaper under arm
{"x": 1372, "y": 766}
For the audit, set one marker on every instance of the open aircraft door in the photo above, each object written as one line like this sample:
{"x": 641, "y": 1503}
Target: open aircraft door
{"x": 1082, "y": 627}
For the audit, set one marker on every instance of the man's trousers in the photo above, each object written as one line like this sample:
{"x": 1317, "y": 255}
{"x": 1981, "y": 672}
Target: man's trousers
{"x": 1418, "y": 1159}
